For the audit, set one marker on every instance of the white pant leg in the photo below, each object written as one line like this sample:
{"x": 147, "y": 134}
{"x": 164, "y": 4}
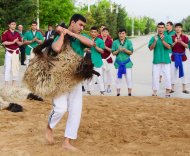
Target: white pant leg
{"x": 174, "y": 73}
{"x": 128, "y": 77}
{"x": 107, "y": 75}
{"x": 118, "y": 82}
{"x": 100, "y": 78}
{"x": 75, "y": 110}
{"x": 8, "y": 57}
{"x": 59, "y": 108}
{"x": 27, "y": 60}
{"x": 184, "y": 78}
{"x": 156, "y": 69}
{"x": 167, "y": 74}
{"x": 15, "y": 66}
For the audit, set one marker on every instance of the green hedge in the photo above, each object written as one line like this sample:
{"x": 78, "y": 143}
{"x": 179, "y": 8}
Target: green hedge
{"x": 2, "y": 55}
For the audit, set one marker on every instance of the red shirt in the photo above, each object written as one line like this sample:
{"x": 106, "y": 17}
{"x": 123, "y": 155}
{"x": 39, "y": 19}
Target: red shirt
{"x": 178, "y": 47}
{"x": 106, "y": 54}
{"x": 11, "y": 36}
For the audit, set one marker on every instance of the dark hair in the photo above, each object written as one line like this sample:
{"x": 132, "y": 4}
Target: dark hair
{"x": 94, "y": 28}
{"x": 122, "y": 29}
{"x": 11, "y": 21}
{"x": 34, "y": 22}
{"x": 170, "y": 23}
{"x": 77, "y": 17}
{"x": 179, "y": 25}
{"x": 105, "y": 29}
{"x": 161, "y": 23}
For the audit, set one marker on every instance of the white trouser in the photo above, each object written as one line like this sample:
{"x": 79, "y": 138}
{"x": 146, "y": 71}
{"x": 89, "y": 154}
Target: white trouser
{"x": 71, "y": 102}
{"x": 99, "y": 80}
{"x": 156, "y": 70}
{"x": 127, "y": 76}
{"x": 107, "y": 75}
{"x": 161, "y": 73}
{"x": 11, "y": 66}
{"x": 175, "y": 73}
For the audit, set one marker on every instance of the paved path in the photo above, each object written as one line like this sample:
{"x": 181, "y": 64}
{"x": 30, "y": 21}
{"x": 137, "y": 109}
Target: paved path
{"x": 142, "y": 72}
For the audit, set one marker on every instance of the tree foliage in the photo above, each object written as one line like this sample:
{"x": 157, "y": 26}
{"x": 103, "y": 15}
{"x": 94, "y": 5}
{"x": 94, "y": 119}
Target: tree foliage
{"x": 55, "y": 11}
{"x": 101, "y": 14}
{"x": 186, "y": 24}
{"x": 23, "y": 11}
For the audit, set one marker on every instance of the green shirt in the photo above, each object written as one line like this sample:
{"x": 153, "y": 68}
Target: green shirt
{"x": 169, "y": 33}
{"x": 161, "y": 53}
{"x": 77, "y": 46}
{"x": 95, "y": 55}
{"x": 122, "y": 56}
{"x": 30, "y": 36}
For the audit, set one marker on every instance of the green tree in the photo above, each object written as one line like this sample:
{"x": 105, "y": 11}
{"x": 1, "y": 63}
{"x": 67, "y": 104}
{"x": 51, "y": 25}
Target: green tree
{"x": 121, "y": 17}
{"x": 186, "y": 24}
{"x": 23, "y": 11}
{"x": 55, "y": 11}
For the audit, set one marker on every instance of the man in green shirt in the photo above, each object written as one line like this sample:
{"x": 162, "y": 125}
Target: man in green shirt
{"x": 169, "y": 29}
{"x": 170, "y": 32}
{"x": 123, "y": 48}
{"x": 32, "y": 39}
{"x": 96, "y": 58}
{"x": 72, "y": 101}
{"x": 161, "y": 44}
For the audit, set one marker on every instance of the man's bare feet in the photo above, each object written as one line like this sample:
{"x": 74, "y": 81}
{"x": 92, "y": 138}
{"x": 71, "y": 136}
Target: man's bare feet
{"x": 49, "y": 135}
{"x": 68, "y": 146}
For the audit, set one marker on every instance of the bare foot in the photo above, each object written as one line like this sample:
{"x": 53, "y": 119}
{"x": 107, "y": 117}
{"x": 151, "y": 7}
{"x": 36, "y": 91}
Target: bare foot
{"x": 69, "y": 147}
{"x": 49, "y": 135}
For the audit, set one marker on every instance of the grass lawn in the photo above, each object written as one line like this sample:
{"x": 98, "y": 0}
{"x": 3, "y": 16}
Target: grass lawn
{"x": 2, "y": 55}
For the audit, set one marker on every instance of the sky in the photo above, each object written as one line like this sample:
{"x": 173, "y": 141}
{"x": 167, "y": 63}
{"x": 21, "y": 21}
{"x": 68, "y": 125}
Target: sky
{"x": 160, "y": 10}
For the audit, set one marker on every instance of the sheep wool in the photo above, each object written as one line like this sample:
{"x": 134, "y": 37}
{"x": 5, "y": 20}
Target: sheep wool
{"x": 49, "y": 76}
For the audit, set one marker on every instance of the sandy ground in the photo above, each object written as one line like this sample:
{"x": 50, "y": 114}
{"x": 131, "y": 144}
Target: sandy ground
{"x": 110, "y": 126}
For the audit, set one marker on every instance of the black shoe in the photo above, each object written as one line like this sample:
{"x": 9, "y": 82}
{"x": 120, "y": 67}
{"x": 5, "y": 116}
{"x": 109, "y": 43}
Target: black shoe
{"x": 129, "y": 94}
{"x": 83, "y": 89}
{"x": 88, "y": 92}
{"x": 96, "y": 83}
{"x": 154, "y": 94}
{"x": 101, "y": 92}
{"x": 23, "y": 64}
{"x": 185, "y": 91}
{"x": 172, "y": 91}
{"x": 118, "y": 94}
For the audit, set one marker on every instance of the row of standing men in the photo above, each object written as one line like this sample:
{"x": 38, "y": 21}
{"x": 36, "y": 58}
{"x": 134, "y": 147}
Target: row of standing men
{"x": 168, "y": 57}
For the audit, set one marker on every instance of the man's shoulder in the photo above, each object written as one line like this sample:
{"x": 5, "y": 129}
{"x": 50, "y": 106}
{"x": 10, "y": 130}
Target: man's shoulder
{"x": 39, "y": 32}
{"x": 99, "y": 39}
{"x": 185, "y": 36}
{"x": 128, "y": 40}
{"x": 5, "y": 32}
{"x": 85, "y": 35}
{"x": 27, "y": 32}
{"x": 116, "y": 41}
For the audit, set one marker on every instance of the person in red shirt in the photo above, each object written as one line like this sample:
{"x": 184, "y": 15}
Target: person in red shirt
{"x": 178, "y": 65}
{"x": 11, "y": 39}
{"x": 107, "y": 58}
